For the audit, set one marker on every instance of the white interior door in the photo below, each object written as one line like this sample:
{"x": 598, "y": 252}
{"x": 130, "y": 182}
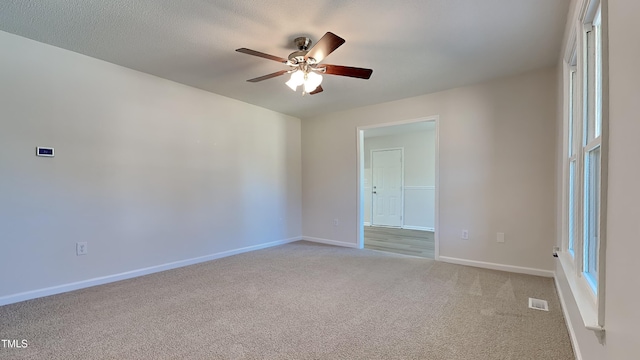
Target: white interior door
{"x": 386, "y": 187}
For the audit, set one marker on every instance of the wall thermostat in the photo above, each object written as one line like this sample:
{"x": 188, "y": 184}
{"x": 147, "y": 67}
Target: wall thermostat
{"x": 44, "y": 151}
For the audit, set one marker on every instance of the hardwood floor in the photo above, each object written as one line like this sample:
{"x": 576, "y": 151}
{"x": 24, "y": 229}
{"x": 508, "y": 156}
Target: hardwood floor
{"x": 400, "y": 241}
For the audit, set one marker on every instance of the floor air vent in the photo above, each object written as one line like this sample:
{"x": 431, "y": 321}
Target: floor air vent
{"x": 538, "y": 304}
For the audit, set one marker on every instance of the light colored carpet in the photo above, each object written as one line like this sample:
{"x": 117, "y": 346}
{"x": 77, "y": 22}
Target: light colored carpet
{"x": 297, "y": 301}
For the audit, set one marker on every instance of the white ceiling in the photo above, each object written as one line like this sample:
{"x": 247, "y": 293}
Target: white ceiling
{"x": 414, "y": 46}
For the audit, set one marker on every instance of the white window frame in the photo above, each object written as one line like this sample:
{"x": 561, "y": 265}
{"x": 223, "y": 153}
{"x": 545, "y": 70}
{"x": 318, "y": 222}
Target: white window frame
{"x": 580, "y": 122}
{"x": 571, "y": 139}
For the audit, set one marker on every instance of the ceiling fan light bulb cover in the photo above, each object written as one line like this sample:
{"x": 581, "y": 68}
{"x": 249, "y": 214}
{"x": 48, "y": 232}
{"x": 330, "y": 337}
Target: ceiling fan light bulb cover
{"x": 292, "y": 85}
{"x": 313, "y": 81}
{"x": 297, "y": 79}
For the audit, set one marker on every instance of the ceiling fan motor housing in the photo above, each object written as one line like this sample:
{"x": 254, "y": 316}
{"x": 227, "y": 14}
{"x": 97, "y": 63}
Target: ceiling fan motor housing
{"x": 297, "y": 57}
{"x": 303, "y": 44}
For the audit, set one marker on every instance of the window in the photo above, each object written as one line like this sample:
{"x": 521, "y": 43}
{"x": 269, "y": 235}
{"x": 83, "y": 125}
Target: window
{"x": 584, "y": 161}
{"x": 592, "y": 125}
{"x": 591, "y": 217}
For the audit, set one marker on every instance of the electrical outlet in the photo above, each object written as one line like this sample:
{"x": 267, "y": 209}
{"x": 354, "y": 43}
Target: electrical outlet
{"x": 465, "y": 235}
{"x": 82, "y": 248}
{"x": 500, "y": 237}
{"x": 336, "y": 222}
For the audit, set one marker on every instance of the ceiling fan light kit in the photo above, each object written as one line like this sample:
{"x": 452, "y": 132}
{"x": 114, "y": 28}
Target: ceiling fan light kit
{"x": 305, "y": 64}
{"x": 310, "y": 79}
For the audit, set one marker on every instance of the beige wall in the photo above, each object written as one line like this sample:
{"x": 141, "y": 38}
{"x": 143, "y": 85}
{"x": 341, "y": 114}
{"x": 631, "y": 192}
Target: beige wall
{"x": 622, "y": 314}
{"x": 623, "y": 223}
{"x": 497, "y": 148}
{"x": 147, "y": 171}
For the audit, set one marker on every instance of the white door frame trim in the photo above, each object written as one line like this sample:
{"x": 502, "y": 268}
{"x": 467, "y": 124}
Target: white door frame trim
{"x": 360, "y": 168}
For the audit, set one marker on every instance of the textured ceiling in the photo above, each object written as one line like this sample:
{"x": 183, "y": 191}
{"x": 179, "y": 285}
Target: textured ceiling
{"x": 414, "y": 46}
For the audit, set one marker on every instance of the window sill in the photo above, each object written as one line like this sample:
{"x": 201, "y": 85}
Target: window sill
{"x": 581, "y": 294}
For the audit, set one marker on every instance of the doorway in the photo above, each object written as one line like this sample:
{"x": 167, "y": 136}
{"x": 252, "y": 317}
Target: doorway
{"x": 398, "y": 187}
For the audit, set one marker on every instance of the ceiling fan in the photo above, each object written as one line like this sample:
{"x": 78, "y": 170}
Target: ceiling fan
{"x": 305, "y": 67}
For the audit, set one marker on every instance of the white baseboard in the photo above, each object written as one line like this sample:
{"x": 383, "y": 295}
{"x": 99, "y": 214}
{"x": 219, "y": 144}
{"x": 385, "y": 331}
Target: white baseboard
{"x": 367, "y": 223}
{"x": 421, "y": 228}
{"x": 567, "y": 320}
{"x": 501, "y": 267}
{"x": 330, "y": 242}
{"x": 33, "y": 294}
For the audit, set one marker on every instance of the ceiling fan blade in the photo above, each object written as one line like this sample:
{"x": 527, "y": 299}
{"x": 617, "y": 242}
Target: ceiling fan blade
{"x": 355, "y": 72}
{"x": 262, "y": 55}
{"x": 324, "y": 47}
{"x": 317, "y": 90}
{"x": 269, "y": 76}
